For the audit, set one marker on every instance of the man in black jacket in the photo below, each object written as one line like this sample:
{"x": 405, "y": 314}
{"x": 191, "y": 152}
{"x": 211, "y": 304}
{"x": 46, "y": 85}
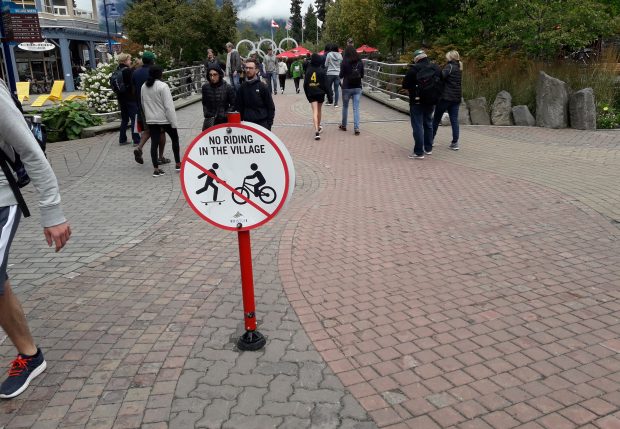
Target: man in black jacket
{"x": 254, "y": 101}
{"x": 218, "y": 98}
{"x": 420, "y": 82}
{"x": 127, "y": 101}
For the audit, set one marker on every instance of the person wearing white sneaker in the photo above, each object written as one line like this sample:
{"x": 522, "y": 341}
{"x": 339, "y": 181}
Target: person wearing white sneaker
{"x": 282, "y": 71}
{"x": 15, "y": 137}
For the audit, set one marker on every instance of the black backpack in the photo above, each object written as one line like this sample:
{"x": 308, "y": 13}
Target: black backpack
{"x": 355, "y": 78}
{"x": 117, "y": 83}
{"x": 429, "y": 85}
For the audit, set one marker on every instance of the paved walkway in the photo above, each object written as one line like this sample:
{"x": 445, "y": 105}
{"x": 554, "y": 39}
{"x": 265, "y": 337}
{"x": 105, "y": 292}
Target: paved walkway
{"x": 476, "y": 288}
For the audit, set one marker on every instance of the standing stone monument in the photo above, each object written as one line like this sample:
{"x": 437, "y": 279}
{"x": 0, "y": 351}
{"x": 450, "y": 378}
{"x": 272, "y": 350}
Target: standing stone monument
{"x": 464, "y": 118}
{"x": 478, "y": 111}
{"x": 551, "y": 102}
{"x": 501, "y": 113}
{"x": 523, "y": 117}
{"x": 582, "y": 108}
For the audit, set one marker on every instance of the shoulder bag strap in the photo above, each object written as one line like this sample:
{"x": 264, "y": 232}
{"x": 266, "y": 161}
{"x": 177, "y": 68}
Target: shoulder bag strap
{"x": 4, "y": 163}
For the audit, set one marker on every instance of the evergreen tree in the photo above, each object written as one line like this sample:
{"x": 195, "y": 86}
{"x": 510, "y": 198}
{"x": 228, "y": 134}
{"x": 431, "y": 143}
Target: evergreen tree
{"x": 321, "y": 9}
{"x": 296, "y": 20}
{"x": 311, "y": 25}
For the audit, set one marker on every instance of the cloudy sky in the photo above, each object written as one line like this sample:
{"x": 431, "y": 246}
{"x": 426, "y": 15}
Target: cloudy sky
{"x": 270, "y": 9}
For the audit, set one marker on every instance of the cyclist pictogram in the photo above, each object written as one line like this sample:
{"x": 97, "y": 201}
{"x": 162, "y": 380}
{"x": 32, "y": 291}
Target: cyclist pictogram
{"x": 266, "y": 193}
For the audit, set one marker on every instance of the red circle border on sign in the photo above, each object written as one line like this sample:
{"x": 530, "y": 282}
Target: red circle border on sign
{"x": 269, "y": 140}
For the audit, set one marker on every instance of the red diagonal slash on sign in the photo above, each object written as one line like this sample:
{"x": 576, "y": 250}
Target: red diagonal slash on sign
{"x": 227, "y": 186}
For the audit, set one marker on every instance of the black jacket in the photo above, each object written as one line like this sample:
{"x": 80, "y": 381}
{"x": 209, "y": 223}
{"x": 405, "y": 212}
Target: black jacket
{"x": 218, "y": 99}
{"x": 315, "y": 83}
{"x": 255, "y": 104}
{"x": 129, "y": 95}
{"x": 410, "y": 81}
{"x": 346, "y": 69}
{"x": 451, "y": 75}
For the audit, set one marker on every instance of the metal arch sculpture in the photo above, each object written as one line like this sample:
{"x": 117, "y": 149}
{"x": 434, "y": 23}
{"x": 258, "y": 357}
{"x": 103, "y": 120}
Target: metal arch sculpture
{"x": 286, "y": 39}
{"x": 249, "y": 42}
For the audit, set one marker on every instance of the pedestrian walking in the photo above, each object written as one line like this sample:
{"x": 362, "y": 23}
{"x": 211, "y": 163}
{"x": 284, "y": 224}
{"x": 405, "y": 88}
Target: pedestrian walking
{"x": 139, "y": 77}
{"x": 254, "y": 101}
{"x": 451, "y": 96}
{"x": 271, "y": 70}
{"x": 233, "y": 65}
{"x": 315, "y": 88}
{"x": 212, "y": 61}
{"x": 282, "y": 71}
{"x": 122, "y": 87}
{"x": 218, "y": 98}
{"x": 160, "y": 115}
{"x": 423, "y": 83}
{"x": 333, "y": 60}
{"x": 15, "y": 137}
{"x": 297, "y": 69}
{"x": 351, "y": 73}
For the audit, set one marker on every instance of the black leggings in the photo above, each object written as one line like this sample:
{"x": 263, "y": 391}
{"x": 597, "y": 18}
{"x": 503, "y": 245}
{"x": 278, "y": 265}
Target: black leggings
{"x": 156, "y": 130}
{"x": 296, "y": 80}
{"x": 282, "y": 78}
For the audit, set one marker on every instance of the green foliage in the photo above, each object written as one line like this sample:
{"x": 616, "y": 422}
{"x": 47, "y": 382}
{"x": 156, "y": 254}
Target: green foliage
{"x": 310, "y": 33}
{"x": 359, "y": 19}
{"x": 182, "y": 30}
{"x": 607, "y": 117}
{"x": 67, "y": 120}
{"x": 542, "y": 29}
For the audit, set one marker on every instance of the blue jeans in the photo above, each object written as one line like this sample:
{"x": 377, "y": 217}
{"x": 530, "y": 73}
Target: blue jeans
{"x": 272, "y": 81}
{"x": 234, "y": 80}
{"x": 452, "y": 107}
{"x": 356, "y": 94}
{"x": 421, "y": 116}
{"x": 333, "y": 83}
{"x": 129, "y": 110}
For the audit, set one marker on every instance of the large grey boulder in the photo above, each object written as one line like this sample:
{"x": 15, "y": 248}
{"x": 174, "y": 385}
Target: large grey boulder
{"x": 464, "y": 118}
{"x": 478, "y": 111}
{"x": 501, "y": 112}
{"x": 523, "y": 117}
{"x": 551, "y": 102}
{"x": 582, "y": 107}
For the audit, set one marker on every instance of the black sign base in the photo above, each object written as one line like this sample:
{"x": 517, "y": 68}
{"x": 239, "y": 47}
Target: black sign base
{"x": 251, "y": 341}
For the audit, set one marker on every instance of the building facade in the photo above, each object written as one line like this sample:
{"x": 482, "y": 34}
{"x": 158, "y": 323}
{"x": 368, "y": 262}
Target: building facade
{"x": 73, "y": 31}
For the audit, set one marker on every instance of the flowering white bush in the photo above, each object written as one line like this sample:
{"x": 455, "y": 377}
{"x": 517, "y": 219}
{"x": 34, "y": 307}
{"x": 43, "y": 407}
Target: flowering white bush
{"x": 96, "y": 85}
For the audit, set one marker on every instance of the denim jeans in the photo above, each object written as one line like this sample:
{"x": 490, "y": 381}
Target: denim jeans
{"x": 333, "y": 83}
{"x": 356, "y": 94}
{"x": 272, "y": 81}
{"x": 452, "y": 107}
{"x": 421, "y": 116}
{"x": 234, "y": 81}
{"x": 129, "y": 110}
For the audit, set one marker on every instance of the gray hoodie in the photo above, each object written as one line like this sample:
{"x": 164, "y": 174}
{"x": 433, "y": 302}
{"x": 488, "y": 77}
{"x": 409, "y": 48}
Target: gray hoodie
{"x": 332, "y": 63}
{"x": 16, "y": 137}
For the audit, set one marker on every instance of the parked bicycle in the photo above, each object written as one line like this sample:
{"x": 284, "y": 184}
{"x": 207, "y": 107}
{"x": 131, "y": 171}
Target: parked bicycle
{"x": 266, "y": 193}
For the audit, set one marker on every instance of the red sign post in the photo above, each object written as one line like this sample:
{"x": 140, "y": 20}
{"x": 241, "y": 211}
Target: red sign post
{"x": 237, "y": 176}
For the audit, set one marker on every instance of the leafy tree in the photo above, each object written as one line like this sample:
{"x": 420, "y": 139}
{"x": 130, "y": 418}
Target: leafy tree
{"x": 311, "y": 25}
{"x": 296, "y": 19}
{"x": 321, "y": 9}
{"x": 360, "y": 19}
{"x": 542, "y": 29}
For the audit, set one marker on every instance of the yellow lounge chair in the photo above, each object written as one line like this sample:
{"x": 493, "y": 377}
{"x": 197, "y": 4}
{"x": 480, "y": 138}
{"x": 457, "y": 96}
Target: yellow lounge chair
{"x": 23, "y": 91}
{"x": 55, "y": 95}
{"x": 76, "y": 97}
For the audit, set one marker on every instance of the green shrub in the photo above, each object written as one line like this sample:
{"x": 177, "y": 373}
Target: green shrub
{"x": 67, "y": 120}
{"x": 607, "y": 117}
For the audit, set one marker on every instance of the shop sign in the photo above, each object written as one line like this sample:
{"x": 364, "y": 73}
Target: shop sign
{"x": 36, "y": 46}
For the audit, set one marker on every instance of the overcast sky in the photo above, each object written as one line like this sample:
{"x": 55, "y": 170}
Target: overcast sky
{"x": 270, "y": 9}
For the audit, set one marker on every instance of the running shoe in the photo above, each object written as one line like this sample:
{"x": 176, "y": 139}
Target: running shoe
{"x": 416, "y": 156}
{"x": 320, "y": 129}
{"x": 357, "y": 132}
{"x": 342, "y": 127}
{"x": 454, "y": 146}
{"x": 317, "y": 136}
{"x": 158, "y": 173}
{"x": 163, "y": 160}
{"x": 23, "y": 370}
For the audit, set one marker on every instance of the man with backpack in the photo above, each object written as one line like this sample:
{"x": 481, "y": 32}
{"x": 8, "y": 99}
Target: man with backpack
{"x": 120, "y": 82}
{"x": 16, "y": 137}
{"x": 424, "y": 85}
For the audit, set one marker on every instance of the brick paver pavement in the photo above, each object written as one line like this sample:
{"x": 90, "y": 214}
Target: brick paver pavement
{"x": 472, "y": 289}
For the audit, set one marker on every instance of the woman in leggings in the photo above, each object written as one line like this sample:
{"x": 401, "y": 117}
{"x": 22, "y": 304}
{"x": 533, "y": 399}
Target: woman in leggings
{"x": 160, "y": 116}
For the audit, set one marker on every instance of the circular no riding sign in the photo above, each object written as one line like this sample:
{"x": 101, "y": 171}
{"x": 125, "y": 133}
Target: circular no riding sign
{"x": 237, "y": 176}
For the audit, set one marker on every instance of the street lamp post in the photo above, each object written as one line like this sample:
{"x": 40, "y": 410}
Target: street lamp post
{"x": 107, "y": 25}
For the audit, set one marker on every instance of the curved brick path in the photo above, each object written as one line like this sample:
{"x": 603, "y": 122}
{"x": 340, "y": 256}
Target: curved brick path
{"x": 473, "y": 289}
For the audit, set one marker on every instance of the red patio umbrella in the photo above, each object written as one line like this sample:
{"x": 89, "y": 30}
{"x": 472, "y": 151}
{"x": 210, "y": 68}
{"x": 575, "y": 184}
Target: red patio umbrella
{"x": 365, "y": 49}
{"x": 299, "y": 51}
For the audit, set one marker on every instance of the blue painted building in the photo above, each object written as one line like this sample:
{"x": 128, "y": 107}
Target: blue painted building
{"x": 74, "y": 32}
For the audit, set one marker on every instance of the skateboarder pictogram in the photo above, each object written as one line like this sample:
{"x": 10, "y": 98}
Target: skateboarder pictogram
{"x": 266, "y": 193}
{"x": 210, "y": 183}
